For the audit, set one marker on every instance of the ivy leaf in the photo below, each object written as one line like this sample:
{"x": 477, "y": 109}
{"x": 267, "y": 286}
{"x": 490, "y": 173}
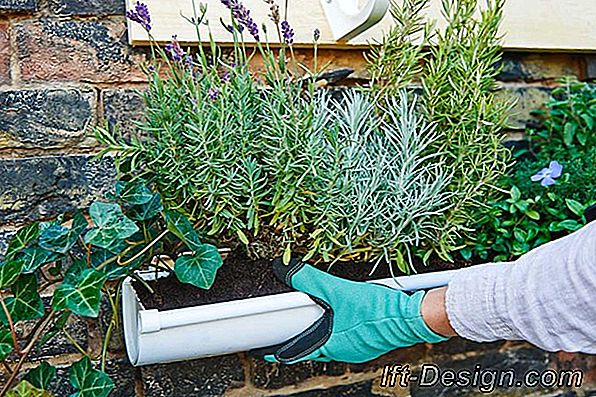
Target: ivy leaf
{"x": 200, "y": 268}
{"x": 9, "y": 272}
{"x": 6, "y": 345}
{"x": 80, "y": 293}
{"x": 89, "y": 381}
{"x": 26, "y": 304}
{"x": 26, "y": 389}
{"x": 41, "y": 376}
{"x": 180, "y": 225}
{"x": 22, "y": 238}
{"x": 147, "y": 210}
{"x": 59, "y": 238}
{"x": 35, "y": 256}
{"x": 133, "y": 193}
{"x": 111, "y": 226}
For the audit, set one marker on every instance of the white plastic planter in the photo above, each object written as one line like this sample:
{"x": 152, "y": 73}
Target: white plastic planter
{"x": 154, "y": 336}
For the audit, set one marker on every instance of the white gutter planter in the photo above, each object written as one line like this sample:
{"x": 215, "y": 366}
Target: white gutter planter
{"x": 154, "y": 336}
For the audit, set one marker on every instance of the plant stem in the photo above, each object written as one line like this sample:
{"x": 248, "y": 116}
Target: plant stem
{"x": 147, "y": 248}
{"x": 25, "y": 353}
{"x": 11, "y": 325}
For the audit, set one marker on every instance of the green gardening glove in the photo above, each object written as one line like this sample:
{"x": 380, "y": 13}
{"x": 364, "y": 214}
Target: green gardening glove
{"x": 362, "y": 321}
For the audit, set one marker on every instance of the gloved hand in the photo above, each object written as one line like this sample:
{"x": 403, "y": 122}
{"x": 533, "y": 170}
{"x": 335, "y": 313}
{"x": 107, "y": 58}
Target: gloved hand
{"x": 362, "y": 321}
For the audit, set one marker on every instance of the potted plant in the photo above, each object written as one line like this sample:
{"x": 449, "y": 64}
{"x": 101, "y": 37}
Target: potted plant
{"x": 269, "y": 166}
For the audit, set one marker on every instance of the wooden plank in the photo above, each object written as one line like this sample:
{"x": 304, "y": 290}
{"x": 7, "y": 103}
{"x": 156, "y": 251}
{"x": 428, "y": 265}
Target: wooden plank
{"x": 544, "y": 25}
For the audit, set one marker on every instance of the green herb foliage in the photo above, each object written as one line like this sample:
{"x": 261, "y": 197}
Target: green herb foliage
{"x": 455, "y": 68}
{"x": 273, "y": 163}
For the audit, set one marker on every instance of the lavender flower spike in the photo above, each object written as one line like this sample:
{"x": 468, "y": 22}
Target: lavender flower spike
{"x": 174, "y": 50}
{"x": 547, "y": 176}
{"x": 317, "y": 34}
{"x": 287, "y": 33}
{"x": 140, "y": 15}
{"x": 242, "y": 16}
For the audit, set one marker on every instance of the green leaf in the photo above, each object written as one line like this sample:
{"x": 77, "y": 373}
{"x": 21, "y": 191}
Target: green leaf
{"x": 41, "y": 376}
{"x": 533, "y": 215}
{"x": 200, "y": 268}
{"x": 242, "y": 237}
{"x": 146, "y": 211}
{"x": 88, "y": 381}
{"x": 34, "y": 256}
{"x": 21, "y": 239}
{"x": 9, "y": 272}
{"x": 569, "y": 133}
{"x": 588, "y": 120}
{"x": 80, "y": 293}
{"x": 133, "y": 193}
{"x": 575, "y": 206}
{"x": 26, "y": 389}
{"x": 59, "y": 238}
{"x": 111, "y": 226}
{"x": 6, "y": 343}
{"x": 180, "y": 225}
{"x": 568, "y": 224}
{"x": 26, "y": 304}
{"x": 515, "y": 193}
{"x": 288, "y": 255}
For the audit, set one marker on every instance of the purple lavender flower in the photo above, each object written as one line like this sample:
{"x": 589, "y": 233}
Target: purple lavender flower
{"x": 188, "y": 61}
{"x": 140, "y": 15}
{"x": 548, "y": 175}
{"x": 213, "y": 93}
{"x": 317, "y": 34}
{"x": 226, "y": 77}
{"x": 287, "y": 33}
{"x": 242, "y": 16}
{"x": 174, "y": 50}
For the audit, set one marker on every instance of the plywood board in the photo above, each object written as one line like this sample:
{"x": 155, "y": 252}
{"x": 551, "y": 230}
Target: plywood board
{"x": 545, "y": 25}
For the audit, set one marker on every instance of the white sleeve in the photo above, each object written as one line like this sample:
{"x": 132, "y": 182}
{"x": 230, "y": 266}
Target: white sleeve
{"x": 547, "y": 297}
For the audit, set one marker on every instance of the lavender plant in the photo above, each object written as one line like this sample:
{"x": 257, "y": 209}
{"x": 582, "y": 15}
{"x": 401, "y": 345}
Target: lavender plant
{"x": 274, "y": 163}
{"x": 457, "y": 77}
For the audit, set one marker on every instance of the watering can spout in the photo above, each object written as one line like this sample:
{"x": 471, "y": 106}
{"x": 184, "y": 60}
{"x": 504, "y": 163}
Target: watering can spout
{"x": 347, "y": 19}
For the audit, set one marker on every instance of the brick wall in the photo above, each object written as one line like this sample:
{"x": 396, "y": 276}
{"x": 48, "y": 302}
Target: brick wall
{"x": 65, "y": 67}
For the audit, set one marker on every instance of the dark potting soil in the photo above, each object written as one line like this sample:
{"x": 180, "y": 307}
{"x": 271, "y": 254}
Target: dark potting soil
{"x": 241, "y": 277}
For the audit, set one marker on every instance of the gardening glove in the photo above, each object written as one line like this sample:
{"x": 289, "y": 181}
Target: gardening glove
{"x": 361, "y": 322}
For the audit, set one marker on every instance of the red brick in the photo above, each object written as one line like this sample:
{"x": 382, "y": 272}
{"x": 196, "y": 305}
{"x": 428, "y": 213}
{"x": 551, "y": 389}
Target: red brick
{"x": 89, "y": 51}
{"x": 4, "y": 54}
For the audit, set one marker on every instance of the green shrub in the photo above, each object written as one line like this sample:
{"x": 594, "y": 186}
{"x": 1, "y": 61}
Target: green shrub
{"x": 533, "y": 214}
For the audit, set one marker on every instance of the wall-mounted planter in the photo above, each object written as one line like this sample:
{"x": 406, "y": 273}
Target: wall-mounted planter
{"x": 154, "y": 336}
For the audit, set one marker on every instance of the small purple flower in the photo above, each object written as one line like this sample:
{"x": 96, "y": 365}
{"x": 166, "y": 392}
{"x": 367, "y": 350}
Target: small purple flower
{"x": 317, "y": 34}
{"x": 226, "y": 77}
{"x": 188, "y": 61}
{"x": 548, "y": 175}
{"x": 213, "y": 93}
{"x": 174, "y": 50}
{"x": 242, "y": 16}
{"x": 287, "y": 32}
{"x": 140, "y": 15}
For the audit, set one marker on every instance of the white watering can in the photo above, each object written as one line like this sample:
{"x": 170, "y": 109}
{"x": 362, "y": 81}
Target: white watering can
{"x": 347, "y": 18}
